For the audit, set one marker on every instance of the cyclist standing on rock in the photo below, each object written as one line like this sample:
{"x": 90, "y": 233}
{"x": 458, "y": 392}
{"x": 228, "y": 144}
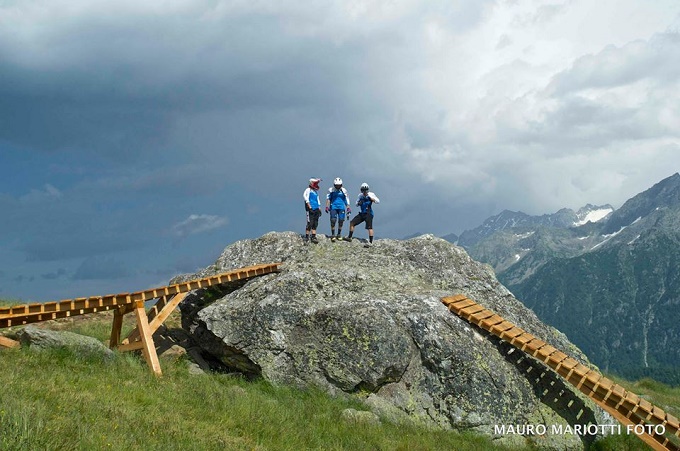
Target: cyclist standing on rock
{"x": 337, "y": 202}
{"x": 365, "y": 203}
{"x": 313, "y": 209}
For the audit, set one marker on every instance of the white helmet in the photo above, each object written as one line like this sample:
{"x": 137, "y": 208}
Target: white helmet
{"x": 314, "y": 183}
{"x": 337, "y": 182}
{"x": 364, "y": 186}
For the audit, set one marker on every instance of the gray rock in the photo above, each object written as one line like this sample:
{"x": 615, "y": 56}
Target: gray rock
{"x": 370, "y": 322}
{"x": 195, "y": 369}
{"x": 80, "y": 345}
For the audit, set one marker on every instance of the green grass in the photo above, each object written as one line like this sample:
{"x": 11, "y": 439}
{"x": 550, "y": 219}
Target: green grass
{"x": 54, "y": 401}
{"x": 9, "y": 302}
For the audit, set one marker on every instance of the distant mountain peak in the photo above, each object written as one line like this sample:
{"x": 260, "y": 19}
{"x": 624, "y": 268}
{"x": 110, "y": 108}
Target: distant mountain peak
{"x": 507, "y": 219}
{"x": 592, "y": 213}
{"x": 606, "y": 262}
{"x": 665, "y": 194}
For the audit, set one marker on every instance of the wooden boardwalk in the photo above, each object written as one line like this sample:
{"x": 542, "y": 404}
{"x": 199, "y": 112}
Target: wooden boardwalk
{"x": 165, "y": 300}
{"x": 627, "y": 407}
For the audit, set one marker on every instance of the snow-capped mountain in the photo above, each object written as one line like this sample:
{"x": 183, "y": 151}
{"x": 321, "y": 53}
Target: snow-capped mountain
{"x": 507, "y": 219}
{"x": 610, "y": 280}
{"x": 591, "y": 213}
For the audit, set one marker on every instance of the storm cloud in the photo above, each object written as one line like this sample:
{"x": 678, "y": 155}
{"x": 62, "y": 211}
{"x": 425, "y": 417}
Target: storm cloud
{"x": 142, "y": 136}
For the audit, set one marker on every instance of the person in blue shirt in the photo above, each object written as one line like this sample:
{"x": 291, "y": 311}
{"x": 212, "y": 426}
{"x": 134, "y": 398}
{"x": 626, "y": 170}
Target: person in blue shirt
{"x": 337, "y": 202}
{"x": 313, "y": 209}
{"x": 365, "y": 203}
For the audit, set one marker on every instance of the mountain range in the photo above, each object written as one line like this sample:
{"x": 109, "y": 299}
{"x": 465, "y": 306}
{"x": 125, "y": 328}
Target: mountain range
{"x": 608, "y": 278}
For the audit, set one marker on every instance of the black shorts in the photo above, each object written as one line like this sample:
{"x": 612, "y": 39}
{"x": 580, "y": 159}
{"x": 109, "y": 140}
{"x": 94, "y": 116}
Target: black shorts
{"x": 313, "y": 219}
{"x": 363, "y": 217}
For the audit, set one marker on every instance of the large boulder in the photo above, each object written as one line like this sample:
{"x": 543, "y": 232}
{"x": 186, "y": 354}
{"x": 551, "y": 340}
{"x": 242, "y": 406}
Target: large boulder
{"x": 370, "y": 322}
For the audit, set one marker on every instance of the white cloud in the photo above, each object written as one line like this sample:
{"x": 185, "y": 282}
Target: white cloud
{"x": 195, "y": 224}
{"x": 48, "y": 194}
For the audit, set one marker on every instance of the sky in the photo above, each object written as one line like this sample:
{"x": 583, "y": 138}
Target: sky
{"x": 139, "y": 139}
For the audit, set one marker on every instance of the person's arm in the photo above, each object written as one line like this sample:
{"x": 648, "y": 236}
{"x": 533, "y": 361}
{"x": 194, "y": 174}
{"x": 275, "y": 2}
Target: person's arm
{"x": 305, "y": 196}
{"x": 374, "y": 198}
{"x": 349, "y": 210}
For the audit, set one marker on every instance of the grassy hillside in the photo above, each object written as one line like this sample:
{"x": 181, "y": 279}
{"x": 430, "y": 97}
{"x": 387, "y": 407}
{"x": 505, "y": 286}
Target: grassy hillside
{"x": 56, "y": 400}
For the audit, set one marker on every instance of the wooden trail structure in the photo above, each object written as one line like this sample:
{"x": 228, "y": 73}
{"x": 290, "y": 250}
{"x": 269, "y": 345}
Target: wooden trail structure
{"x": 165, "y": 300}
{"x": 627, "y": 407}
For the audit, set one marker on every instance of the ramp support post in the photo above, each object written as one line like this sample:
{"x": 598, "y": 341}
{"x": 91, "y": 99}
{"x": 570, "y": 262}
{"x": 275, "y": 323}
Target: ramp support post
{"x": 148, "y": 346}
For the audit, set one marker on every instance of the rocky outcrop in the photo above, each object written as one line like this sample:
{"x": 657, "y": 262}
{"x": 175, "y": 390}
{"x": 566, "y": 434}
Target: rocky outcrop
{"x": 369, "y": 322}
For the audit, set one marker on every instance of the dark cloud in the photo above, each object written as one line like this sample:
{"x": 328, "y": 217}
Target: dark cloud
{"x": 131, "y": 131}
{"x": 61, "y": 272}
{"x": 102, "y": 267}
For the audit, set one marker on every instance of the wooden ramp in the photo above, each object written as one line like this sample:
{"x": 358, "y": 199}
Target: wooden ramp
{"x": 165, "y": 300}
{"x": 625, "y": 406}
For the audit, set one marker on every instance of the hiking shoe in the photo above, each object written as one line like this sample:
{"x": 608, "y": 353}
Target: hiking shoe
{"x": 332, "y": 238}
{"x": 367, "y": 244}
{"x": 314, "y": 240}
{"x": 348, "y": 238}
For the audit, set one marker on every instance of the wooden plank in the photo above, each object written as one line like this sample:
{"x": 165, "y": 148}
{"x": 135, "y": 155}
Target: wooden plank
{"x": 490, "y": 321}
{"x": 134, "y": 346}
{"x": 629, "y": 402}
{"x": 158, "y": 306}
{"x": 156, "y": 316}
{"x": 478, "y": 317}
{"x": 521, "y": 340}
{"x": 148, "y": 348}
{"x": 566, "y": 367}
{"x": 645, "y": 406}
{"x": 8, "y": 342}
{"x": 556, "y": 358}
{"x": 616, "y": 395}
{"x": 22, "y": 320}
{"x": 166, "y": 311}
{"x": 453, "y": 299}
{"x": 672, "y": 423}
{"x": 533, "y": 346}
{"x": 498, "y": 329}
{"x": 545, "y": 352}
{"x": 658, "y": 415}
{"x": 457, "y": 306}
{"x": 116, "y": 328}
{"x": 467, "y": 311}
{"x": 602, "y": 388}
{"x": 590, "y": 383}
{"x": 508, "y": 335}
